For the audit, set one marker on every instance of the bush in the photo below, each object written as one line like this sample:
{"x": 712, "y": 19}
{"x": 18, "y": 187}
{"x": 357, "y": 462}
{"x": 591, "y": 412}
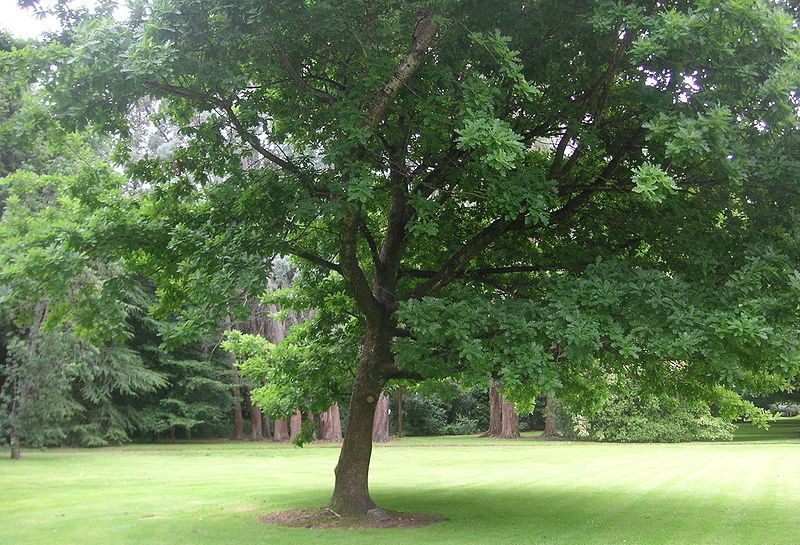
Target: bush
{"x": 462, "y": 425}
{"x": 785, "y": 408}
{"x": 424, "y": 415}
{"x": 628, "y": 416}
{"x": 427, "y": 413}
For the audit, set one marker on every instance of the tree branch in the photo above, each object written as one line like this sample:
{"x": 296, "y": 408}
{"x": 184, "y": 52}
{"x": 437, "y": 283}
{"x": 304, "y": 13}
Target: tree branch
{"x": 315, "y": 259}
{"x": 350, "y": 268}
{"x": 423, "y": 36}
{"x": 419, "y": 273}
{"x": 373, "y": 246}
{"x": 456, "y": 264}
{"x": 240, "y": 129}
{"x": 602, "y": 180}
{"x": 327, "y": 98}
{"x": 395, "y": 373}
{"x": 394, "y": 240}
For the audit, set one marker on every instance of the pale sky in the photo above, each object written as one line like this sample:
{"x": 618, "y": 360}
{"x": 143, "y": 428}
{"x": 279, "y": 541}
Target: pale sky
{"x": 21, "y": 22}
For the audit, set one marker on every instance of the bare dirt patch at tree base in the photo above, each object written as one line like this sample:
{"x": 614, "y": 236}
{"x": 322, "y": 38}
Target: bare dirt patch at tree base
{"x": 327, "y": 519}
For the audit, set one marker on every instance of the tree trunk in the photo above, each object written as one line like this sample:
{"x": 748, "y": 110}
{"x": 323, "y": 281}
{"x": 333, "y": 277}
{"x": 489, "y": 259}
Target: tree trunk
{"x": 14, "y": 441}
{"x": 495, "y": 412}
{"x": 188, "y": 434}
{"x": 510, "y": 420}
{"x": 550, "y": 431}
{"x": 351, "y": 491}
{"x": 331, "y": 424}
{"x": 238, "y": 420}
{"x": 400, "y": 393}
{"x": 13, "y": 416}
{"x": 256, "y": 433}
{"x": 281, "y": 430}
{"x": 294, "y": 424}
{"x": 265, "y": 431}
{"x": 311, "y": 419}
{"x": 380, "y": 421}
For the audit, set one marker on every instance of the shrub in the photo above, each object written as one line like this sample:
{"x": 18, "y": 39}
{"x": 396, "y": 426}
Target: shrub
{"x": 445, "y": 410}
{"x": 462, "y": 425}
{"x": 785, "y": 408}
{"x": 424, "y": 415}
{"x": 629, "y": 416}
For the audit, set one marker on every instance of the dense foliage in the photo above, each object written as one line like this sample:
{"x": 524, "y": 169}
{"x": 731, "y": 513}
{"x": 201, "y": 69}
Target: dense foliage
{"x": 81, "y": 361}
{"x": 635, "y": 415}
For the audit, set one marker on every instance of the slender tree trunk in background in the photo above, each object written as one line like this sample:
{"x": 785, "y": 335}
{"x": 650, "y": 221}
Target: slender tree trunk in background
{"x": 14, "y": 442}
{"x": 380, "y": 422}
{"x": 172, "y": 433}
{"x": 265, "y": 431}
{"x": 238, "y": 419}
{"x": 510, "y": 420}
{"x": 400, "y": 392}
{"x": 13, "y": 438}
{"x": 281, "y": 430}
{"x": 256, "y": 432}
{"x": 188, "y": 434}
{"x": 495, "y": 412}
{"x": 294, "y": 424}
{"x": 331, "y": 424}
{"x": 351, "y": 491}
{"x": 311, "y": 419}
{"x": 550, "y": 431}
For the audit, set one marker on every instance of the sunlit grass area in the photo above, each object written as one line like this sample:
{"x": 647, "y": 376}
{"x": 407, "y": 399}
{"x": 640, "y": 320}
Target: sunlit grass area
{"x": 492, "y": 491}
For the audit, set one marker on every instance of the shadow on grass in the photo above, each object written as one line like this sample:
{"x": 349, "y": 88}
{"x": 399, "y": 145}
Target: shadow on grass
{"x": 781, "y": 430}
{"x": 573, "y": 516}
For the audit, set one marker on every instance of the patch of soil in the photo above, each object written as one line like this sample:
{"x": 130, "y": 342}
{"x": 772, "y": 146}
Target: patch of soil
{"x": 327, "y": 519}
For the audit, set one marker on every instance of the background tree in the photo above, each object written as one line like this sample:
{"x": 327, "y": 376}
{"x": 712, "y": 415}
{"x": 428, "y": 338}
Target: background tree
{"x": 380, "y": 425}
{"x": 331, "y": 424}
{"x": 550, "y": 430}
{"x": 69, "y": 373}
{"x": 503, "y": 418}
{"x": 82, "y": 362}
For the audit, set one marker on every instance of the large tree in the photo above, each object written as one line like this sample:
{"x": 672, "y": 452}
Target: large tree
{"x": 539, "y": 191}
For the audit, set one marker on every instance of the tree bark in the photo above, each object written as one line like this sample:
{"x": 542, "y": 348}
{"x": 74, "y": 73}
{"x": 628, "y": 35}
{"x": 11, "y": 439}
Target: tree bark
{"x": 265, "y": 431}
{"x": 15, "y": 451}
{"x": 495, "y": 412}
{"x": 256, "y": 433}
{"x": 351, "y": 491}
{"x": 238, "y": 420}
{"x": 510, "y": 420}
{"x": 281, "y": 430}
{"x": 14, "y": 417}
{"x": 380, "y": 421}
{"x": 294, "y": 424}
{"x": 400, "y": 393}
{"x": 311, "y": 419}
{"x": 550, "y": 431}
{"x": 331, "y": 424}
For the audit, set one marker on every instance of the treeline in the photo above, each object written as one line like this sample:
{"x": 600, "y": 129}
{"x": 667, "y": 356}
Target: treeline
{"x": 142, "y": 298}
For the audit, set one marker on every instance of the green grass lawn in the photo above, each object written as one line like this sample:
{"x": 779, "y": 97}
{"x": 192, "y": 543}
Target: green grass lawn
{"x": 517, "y": 492}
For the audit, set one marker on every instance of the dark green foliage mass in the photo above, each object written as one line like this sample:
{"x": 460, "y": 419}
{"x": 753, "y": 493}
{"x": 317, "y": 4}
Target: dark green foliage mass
{"x": 79, "y": 354}
{"x": 631, "y": 414}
